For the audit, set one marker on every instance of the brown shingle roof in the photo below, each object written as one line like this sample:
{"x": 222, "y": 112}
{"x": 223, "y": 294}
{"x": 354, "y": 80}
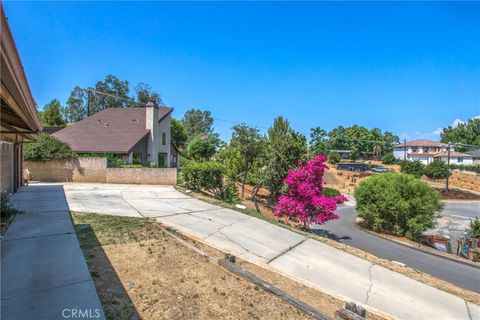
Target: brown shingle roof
{"x": 113, "y": 130}
{"x": 452, "y": 154}
{"x": 422, "y": 143}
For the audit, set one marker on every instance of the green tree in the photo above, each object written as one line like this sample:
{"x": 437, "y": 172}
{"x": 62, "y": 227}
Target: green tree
{"x": 466, "y": 132}
{"x": 357, "y": 139}
{"x": 437, "y": 169}
{"x": 397, "y": 203}
{"x": 76, "y": 108}
{"x": 475, "y": 227}
{"x": 179, "y": 134}
{"x": 389, "y": 139}
{"x": 361, "y": 141}
{"x": 318, "y": 143}
{"x": 232, "y": 162}
{"x": 338, "y": 139}
{"x": 388, "y": 158}
{"x": 334, "y": 158}
{"x": 415, "y": 168}
{"x": 117, "y": 97}
{"x": 197, "y": 122}
{"x": 249, "y": 143}
{"x": 284, "y": 148}
{"x": 202, "y": 148}
{"x": 51, "y": 114}
{"x": 48, "y": 147}
{"x": 145, "y": 94}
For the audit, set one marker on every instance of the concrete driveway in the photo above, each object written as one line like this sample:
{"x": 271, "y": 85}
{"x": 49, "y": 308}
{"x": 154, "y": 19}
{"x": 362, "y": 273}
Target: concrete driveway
{"x": 344, "y": 230}
{"x": 309, "y": 261}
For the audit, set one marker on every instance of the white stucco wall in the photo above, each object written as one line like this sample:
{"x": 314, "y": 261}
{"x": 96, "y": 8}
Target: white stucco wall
{"x": 398, "y": 153}
{"x": 425, "y": 160}
{"x": 454, "y": 160}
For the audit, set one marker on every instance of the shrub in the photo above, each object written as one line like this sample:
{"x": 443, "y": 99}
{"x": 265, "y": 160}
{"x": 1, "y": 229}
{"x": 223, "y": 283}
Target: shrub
{"x": 6, "y": 209}
{"x": 398, "y": 203}
{"x": 202, "y": 148}
{"x": 437, "y": 169}
{"x": 152, "y": 164}
{"x": 204, "y": 175}
{"x": 331, "y": 193}
{"x": 415, "y": 168}
{"x": 304, "y": 200}
{"x": 48, "y": 147}
{"x": 388, "y": 158}
{"x": 229, "y": 192}
{"x": 475, "y": 227}
{"x": 208, "y": 176}
{"x": 334, "y": 158}
{"x": 466, "y": 167}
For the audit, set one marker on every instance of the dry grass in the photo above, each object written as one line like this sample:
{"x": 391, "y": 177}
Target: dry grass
{"x": 140, "y": 271}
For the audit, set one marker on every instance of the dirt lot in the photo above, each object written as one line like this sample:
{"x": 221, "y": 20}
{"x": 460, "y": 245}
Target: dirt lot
{"x": 141, "y": 271}
{"x": 453, "y": 194}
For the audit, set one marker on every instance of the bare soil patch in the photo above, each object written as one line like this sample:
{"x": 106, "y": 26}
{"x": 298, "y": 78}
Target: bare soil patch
{"x": 141, "y": 272}
{"x": 454, "y": 194}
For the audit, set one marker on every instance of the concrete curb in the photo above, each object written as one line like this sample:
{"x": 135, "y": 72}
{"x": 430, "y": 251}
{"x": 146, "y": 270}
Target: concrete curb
{"x": 461, "y": 201}
{"x": 437, "y": 254}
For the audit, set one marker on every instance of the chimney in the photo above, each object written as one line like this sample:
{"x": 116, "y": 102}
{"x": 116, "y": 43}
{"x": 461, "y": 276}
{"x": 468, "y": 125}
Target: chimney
{"x": 152, "y": 103}
{"x": 151, "y": 123}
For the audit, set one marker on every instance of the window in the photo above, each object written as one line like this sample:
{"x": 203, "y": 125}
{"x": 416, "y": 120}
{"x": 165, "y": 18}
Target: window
{"x": 164, "y": 138}
{"x": 460, "y": 159}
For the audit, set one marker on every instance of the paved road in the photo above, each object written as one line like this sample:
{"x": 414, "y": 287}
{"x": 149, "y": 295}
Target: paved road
{"x": 465, "y": 209}
{"x": 343, "y": 230}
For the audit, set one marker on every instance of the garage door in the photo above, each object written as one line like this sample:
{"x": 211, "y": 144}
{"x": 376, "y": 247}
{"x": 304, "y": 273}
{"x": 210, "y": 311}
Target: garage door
{"x": 6, "y": 158}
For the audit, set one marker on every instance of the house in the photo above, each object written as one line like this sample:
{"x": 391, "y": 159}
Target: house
{"x": 426, "y": 151}
{"x": 135, "y": 135}
{"x": 455, "y": 157}
{"x": 19, "y": 120}
{"x": 344, "y": 154}
{"x": 476, "y": 156}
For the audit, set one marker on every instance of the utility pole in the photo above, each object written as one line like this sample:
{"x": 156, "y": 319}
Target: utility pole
{"x": 404, "y": 149}
{"x": 448, "y": 166}
{"x": 88, "y": 102}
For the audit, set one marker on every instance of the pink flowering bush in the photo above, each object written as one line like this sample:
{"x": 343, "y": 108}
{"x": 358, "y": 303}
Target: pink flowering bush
{"x": 304, "y": 201}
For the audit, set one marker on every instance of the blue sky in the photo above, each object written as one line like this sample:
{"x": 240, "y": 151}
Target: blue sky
{"x": 408, "y": 67}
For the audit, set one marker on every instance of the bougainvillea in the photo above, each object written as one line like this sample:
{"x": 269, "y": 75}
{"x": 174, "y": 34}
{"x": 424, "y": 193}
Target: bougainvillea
{"x": 304, "y": 201}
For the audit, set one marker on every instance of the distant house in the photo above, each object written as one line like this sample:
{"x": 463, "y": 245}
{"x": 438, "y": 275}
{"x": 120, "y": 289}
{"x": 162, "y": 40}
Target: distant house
{"x": 344, "y": 154}
{"x": 476, "y": 156}
{"x": 135, "y": 135}
{"x": 426, "y": 151}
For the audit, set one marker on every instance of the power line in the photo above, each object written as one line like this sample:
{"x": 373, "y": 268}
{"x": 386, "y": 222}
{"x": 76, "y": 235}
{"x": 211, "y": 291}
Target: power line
{"x": 142, "y": 104}
{"x": 114, "y": 96}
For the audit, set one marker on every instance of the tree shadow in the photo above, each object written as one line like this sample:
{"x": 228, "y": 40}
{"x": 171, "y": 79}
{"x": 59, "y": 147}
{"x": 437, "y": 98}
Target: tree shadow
{"x": 327, "y": 234}
{"x": 112, "y": 294}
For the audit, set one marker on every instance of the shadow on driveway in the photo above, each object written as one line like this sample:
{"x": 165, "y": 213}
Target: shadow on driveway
{"x": 44, "y": 272}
